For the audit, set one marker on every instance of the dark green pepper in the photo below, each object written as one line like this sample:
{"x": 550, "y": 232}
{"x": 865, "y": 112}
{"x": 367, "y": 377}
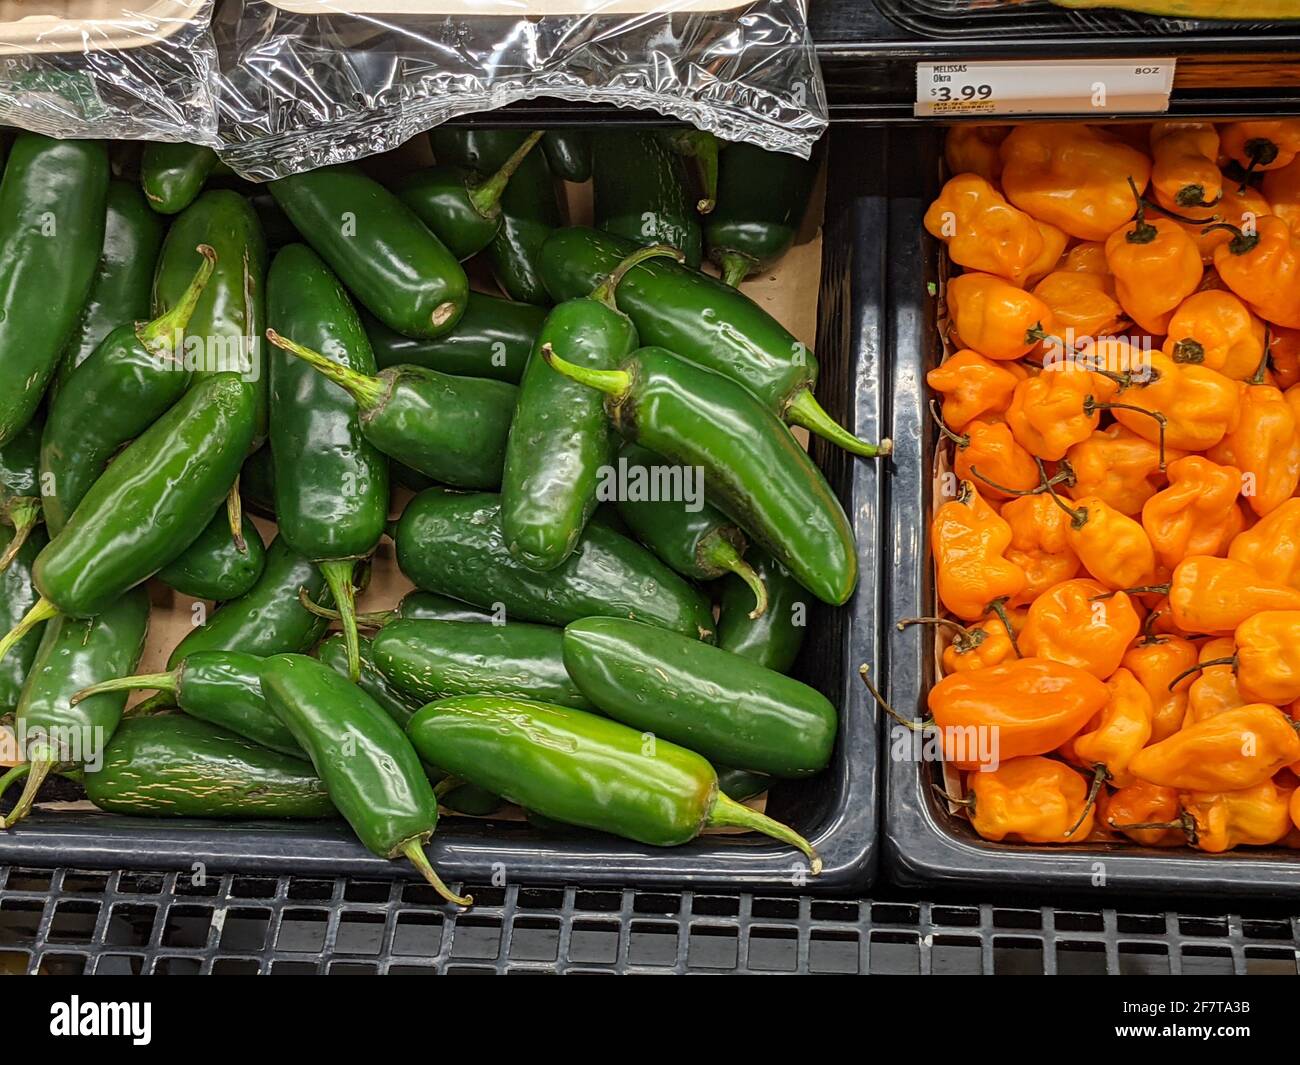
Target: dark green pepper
{"x": 762, "y": 198}
{"x": 172, "y": 175}
{"x": 639, "y": 192}
{"x": 257, "y": 483}
{"x": 20, "y": 499}
{"x": 700, "y": 149}
{"x": 568, "y": 154}
{"x": 381, "y": 251}
{"x": 52, "y": 209}
{"x": 755, "y": 472}
{"x": 331, "y": 483}
{"x": 146, "y": 508}
{"x": 452, "y": 544}
{"x": 120, "y": 291}
{"x": 17, "y": 596}
{"x": 213, "y": 567}
{"x": 220, "y": 687}
{"x": 270, "y": 619}
{"x": 73, "y": 654}
{"x": 696, "y": 539}
{"x": 478, "y": 148}
{"x": 130, "y": 381}
{"x": 741, "y": 784}
{"x": 453, "y": 429}
{"x": 369, "y": 767}
{"x": 426, "y": 606}
{"x": 177, "y": 766}
{"x": 560, "y": 439}
{"x": 462, "y": 210}
{"x": 705, "y": 321}
{"x": 493, "y": 338}
{"x": 728, "y": 708}
{"x": 430, "y": 660}
{"x": 530, "y": 213}
{"x": 772, "y": 640}
{"x": 585, "y": 770}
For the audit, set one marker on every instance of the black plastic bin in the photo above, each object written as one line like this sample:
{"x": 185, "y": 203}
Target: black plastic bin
{"x": 837, "y": 810}
{"x": 924, "y": 842}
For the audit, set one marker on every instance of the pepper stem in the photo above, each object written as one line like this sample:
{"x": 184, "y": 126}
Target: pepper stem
{"x": 616, "y": 383}
{"x": 1231, "y": 660}
{"x": 999, "y": 607}
{"x": 413, "y": 850}
{"x": 803, "y": 409}
{"x": 1100, "y": 774}
{"x": 960, "y": 439}
{"x": 366, "y": 390}
{"x": 915, "y": 726}
{"x": 726, "y": 811}
{"x": 1262, "y": 151}
{"x": 736, "y": 266}
{"x": 722, "y": 553}
{"x": 608, "y": 287}
{"x": 1090, "y": 405}
{"x": 163, "y": 682}
{"x": 22, "y": 512}
{"x": 1241, "y": 242}
{"x": 375, "y": 619}
{"x": 1194, "y": 196}
{"x": 42, "y": 610}
{"x": 16, "y": 773}
{"x": 1143, "y": 232}
{"x": 1189, "y": 350}
{"x": 485, "y": 197}
{"x": 235, "y": 517}
{"x": 1078, "y": 517}
{"x": 164, "y": 700}
{"x": 38, "y": 771}
{"x": 446, "y": 784}
{"x": 338, "y": 575}
{"x": 159, "y": 336}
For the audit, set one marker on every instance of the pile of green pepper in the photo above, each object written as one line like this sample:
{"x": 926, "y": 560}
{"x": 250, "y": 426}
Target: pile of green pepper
{"x": 614, "y": 535}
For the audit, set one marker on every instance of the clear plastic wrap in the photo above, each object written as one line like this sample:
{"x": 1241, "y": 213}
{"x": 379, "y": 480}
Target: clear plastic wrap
{"x": 307, "y": 83}
{"x": 116, "y": 69}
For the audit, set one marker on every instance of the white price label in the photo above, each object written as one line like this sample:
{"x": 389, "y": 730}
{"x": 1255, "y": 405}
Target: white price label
{"x": 1029, "y": 87}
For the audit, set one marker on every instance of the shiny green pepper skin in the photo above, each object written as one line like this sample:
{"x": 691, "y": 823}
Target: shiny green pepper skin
{"x": 452, "y": 544}
{"x": 640, "y": 192}
{"x": 17, "y": 596}
{"x": 728, "y": 708}
{"x": 178, "y": 766}
{"x": 213, "y": 567}
{"x": 772, "y": 640}
{"x": 568, "y": 154}
{"x": 52, "y": 209}
{"x": 172, "y": 175}
{"x": 377, "y": 246}
{"x": 428, "y": 660}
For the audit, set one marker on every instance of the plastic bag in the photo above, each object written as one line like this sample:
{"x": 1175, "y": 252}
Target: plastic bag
{"x": 113, "y": 69}
{"x": 305, "y": 83}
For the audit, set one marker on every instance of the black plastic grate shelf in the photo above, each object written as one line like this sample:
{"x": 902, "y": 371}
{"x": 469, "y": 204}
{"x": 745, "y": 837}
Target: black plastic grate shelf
{"x": 71, "y": 922}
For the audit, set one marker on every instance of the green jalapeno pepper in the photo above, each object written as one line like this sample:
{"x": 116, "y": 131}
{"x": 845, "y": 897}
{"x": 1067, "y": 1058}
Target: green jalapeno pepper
{"x": 530, "y": 213}
{"x": 172, "y": 175}
{"x": 17, "y": 596}
{"x": 134, "y": 377}
{"x": 453, "y": 429}
{"x": 369, "y": 767}
{"x": 755, "y": 472}
{"x": 560, "y": 439}
{"x": 177, "y": 766}
{"x": 430, "y": 660}
{"x": 452, "y": 544}
{"x": 75, "y": 653}
{"x": 462, "y": 210}
{"x": 220, "y": 687}
{"x": 147, "y": 506}
{"x": 576, "y": 767}
{"x": 213, "y": 567}
{"x": 568, "y": 154}
{"x": 700, "y": 149}
{"x": 696, "y": 539}
{"x": 120, "y": 291}
{"x": 474, "y": 147}
{"x": 52, "y": 210}
{"x": 381, "y": 251}
{"x": 257, "y": 483}
{"x": 741, "y": 784}
{"x": 493, "y": 338}
{"x": 269, "y": 619}
{"x": 704, "y": 321}
{"x": 773, "y": 639}
{"x": 331, "y": 483}
{"x": 762, "y": 197}
{"x": 639, "y": 192}
{"x": 420, "y": 606}
{"x": 728, "y": 708}
{"x": 20, "y": 500}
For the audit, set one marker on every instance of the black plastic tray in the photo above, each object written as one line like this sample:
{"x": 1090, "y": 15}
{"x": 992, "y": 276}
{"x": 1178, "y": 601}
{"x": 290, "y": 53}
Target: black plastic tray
{"x": 836, "y": 810}
{"x": 924, "y": 842}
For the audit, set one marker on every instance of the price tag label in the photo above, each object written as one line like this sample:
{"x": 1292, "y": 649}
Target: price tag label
{"x": 1030, "y": 87}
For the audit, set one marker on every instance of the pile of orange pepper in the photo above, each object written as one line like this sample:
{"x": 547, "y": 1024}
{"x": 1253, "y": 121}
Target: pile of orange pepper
{"x": 1117, "y": 545}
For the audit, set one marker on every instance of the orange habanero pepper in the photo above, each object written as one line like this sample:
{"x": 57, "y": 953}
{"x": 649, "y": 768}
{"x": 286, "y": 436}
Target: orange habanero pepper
{"x": 1263, "y": 268}
{"x": 1197, "y": 514}
{"x": 972, "y": 647}
{"x": 995, "y": 318}
{"x": 1236, "y": 749}
{"x": 1215, "y": 595}
{"x": 1021, "y": 707}
{"x": 1184, "y": 164}
{"x": 973, "y": 386}
{"x": 1030, "y": 800}
{"x": 1117, "y": 465}
{"x": 1271, "y": 547}
{"x": 973, "y": 149}
{"x": 1088, "y": 257}
{"x": 968, "y": 539}
{"x": 1121, "y": 730}
{"x": 1156, "y": 266}
{"x": 1265, "y": 446}
{"x": 1216, "y": 330}
{"x": 1199, "y": 406}
{"x": 1140, "y": 803}
{"x": 1261, "y": 144}
{"x": 989, "y": 453}
{"x": 984, "y": 232}
{"x": 1113, "y": 547}
{"x": 1241, "y": 207}
{"x": 1156, "y": 660}
{"x": 1069, "y": 623}
{"x": 1214, "y": 689}
{"x": 1267, "y": 657}
{"x": 1258, "y": 816}
{"x": 1072, "y": 176}
{"x": 1082, "y": 304}
{"x": 1282, "y": 190}
{"x": 1039, "y": 544}
{"x": 1058, "y": 408}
